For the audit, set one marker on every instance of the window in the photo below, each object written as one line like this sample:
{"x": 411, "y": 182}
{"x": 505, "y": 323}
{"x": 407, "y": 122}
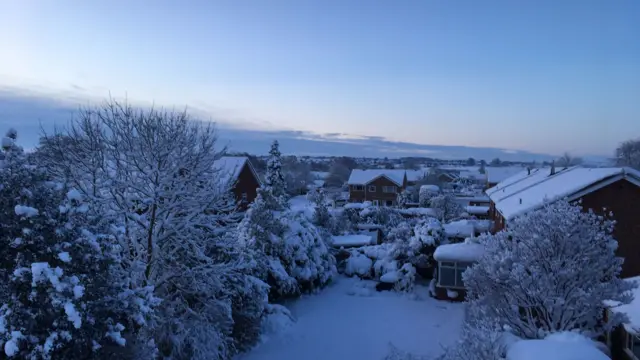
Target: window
{"x": 357, "y": 187}
{"x": 633, "y": 346}
{"x": 389, "y": 189}
{"x": 389, "y": 203}
{"x": 450, "y": 274}
{"x": 372, "y": 188}
{"x": 376, "y": 202}
{"x": 244, "y": 197}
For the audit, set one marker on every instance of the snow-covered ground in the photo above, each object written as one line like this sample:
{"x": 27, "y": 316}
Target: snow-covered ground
{"x": 349, "y": 320}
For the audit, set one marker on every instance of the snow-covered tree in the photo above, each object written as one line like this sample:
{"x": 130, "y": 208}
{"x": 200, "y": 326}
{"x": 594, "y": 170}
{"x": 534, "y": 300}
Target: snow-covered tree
{"x": 403, "y": 198}
{"x": 321, "y": 215}
{"x": 427, "y": 192}
{"x": 63, "y": 294}
{"x": 555, "y": 266}
{"x": 628, "y": 154}
{"x": 151, "y": 173}
{"x": 446, "y": 207}
{"x": 274, "y": 180}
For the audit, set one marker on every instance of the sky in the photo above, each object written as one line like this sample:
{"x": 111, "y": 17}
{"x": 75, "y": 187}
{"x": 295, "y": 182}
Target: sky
{"x": 543, "y": 76}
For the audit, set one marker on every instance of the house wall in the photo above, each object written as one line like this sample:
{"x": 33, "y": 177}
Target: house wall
{"x": 623, "y": 199}
{"x": 499, "y": 222}
{"x": 366, "y": 195}
{"x": 246, "y": 183}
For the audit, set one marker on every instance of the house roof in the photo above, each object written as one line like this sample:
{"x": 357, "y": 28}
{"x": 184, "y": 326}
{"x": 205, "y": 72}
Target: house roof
{"x": 498, "y": 174}
{"x": 363, "y": 177}
{"x": 231, "y": 166}
{"x": 524, "y": 192}
{"x": 415, "y": 175}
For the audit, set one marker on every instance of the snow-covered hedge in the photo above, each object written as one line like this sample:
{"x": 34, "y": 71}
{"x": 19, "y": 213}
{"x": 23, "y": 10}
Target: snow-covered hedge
{"x": 397, "y": 262}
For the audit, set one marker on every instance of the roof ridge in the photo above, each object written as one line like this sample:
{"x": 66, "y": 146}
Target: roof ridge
{"x": 544, "y": 179}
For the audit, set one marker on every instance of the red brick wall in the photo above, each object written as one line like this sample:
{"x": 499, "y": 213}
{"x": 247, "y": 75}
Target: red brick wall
{"x": 623, "y": 199}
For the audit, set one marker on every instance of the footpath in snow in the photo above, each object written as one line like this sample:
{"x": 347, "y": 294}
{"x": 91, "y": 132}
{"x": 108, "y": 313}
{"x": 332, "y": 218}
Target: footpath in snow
{"x": 349, "y": 320}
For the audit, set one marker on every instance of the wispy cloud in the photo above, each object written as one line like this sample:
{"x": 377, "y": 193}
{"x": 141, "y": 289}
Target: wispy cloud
{"x": 30, "y": 112}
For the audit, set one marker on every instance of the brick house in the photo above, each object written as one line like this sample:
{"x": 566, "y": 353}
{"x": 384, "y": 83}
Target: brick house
{"x": 239, "y": 171}
{"x": 616, "y": 189}
{"x": 380, "y": 186}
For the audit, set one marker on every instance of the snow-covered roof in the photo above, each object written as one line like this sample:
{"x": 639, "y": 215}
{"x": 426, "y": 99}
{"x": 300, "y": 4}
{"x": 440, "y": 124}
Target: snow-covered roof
{"x": 352, "y": 240}
{"x": 632, "y": 309}
{"x": 466, "y": 228}
{"x": 498, "y": 174}
{"x": 463, "y": 252}
{"x": 524, "y": 192}
{"x": 230, "y": 167}
{"x": 460, "y": 228}
{"x": 363, "y": 177}
{"x": 560, "y": 346}
{"x": 415, "y": 175}
{"x": 472, "y": 175}
{"x": 477, "y": 210}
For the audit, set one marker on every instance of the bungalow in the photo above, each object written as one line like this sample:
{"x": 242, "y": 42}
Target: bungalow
{"x": 238, "y": 171}
{"x": 380, "y": 186}
{"x": 610, "y": 189}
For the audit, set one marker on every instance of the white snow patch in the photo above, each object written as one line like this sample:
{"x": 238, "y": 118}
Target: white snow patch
{"x": 72, "y": 315}
{"x": 64, "y": 256}
{"x": 338, "y": 326}
{"x": 562, "y": 346}
{"x": 352, "y": 240}
{"x": 452, "y": 294}
{"x": 11, "y": 346}
{"x": 78, "y": 291}
{"x": 74, "y": 194}
{"x": 390, "y": 277}
{"x": 463, "y": 252}
{"x": 26, "y": 211}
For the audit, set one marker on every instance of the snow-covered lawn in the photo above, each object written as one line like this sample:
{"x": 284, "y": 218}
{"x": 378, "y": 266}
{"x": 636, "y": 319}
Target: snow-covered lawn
{"x": 349, "y": 320}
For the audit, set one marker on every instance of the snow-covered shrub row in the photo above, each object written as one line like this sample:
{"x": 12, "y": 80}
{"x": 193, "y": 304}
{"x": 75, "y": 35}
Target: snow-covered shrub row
{"x": 547, "y": 264}
{"x": 396, "y": 262}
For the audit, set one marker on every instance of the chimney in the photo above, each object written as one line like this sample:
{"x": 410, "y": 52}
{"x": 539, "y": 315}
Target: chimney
{"x": 553, "y": 168}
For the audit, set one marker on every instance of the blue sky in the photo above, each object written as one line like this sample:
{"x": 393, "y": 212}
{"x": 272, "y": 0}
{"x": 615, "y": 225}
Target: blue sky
{"x": 542, "y": 76}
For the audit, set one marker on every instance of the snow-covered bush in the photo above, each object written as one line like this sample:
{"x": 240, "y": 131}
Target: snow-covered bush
{"x": 554, "y": 266}
{"x": 388, "y": 217}
{"x": 403, "y": 198}
{"x": 446, "y": 207}
{"x": 306, "y": 256}
{"x": 359, "y": 264}
{"x": 400, "y": 232}
{"x": 63, "y": 294}
{"x": 418, "y": 250}
{"x": 427, "y": 192}
{"x": 292, "y": 253}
